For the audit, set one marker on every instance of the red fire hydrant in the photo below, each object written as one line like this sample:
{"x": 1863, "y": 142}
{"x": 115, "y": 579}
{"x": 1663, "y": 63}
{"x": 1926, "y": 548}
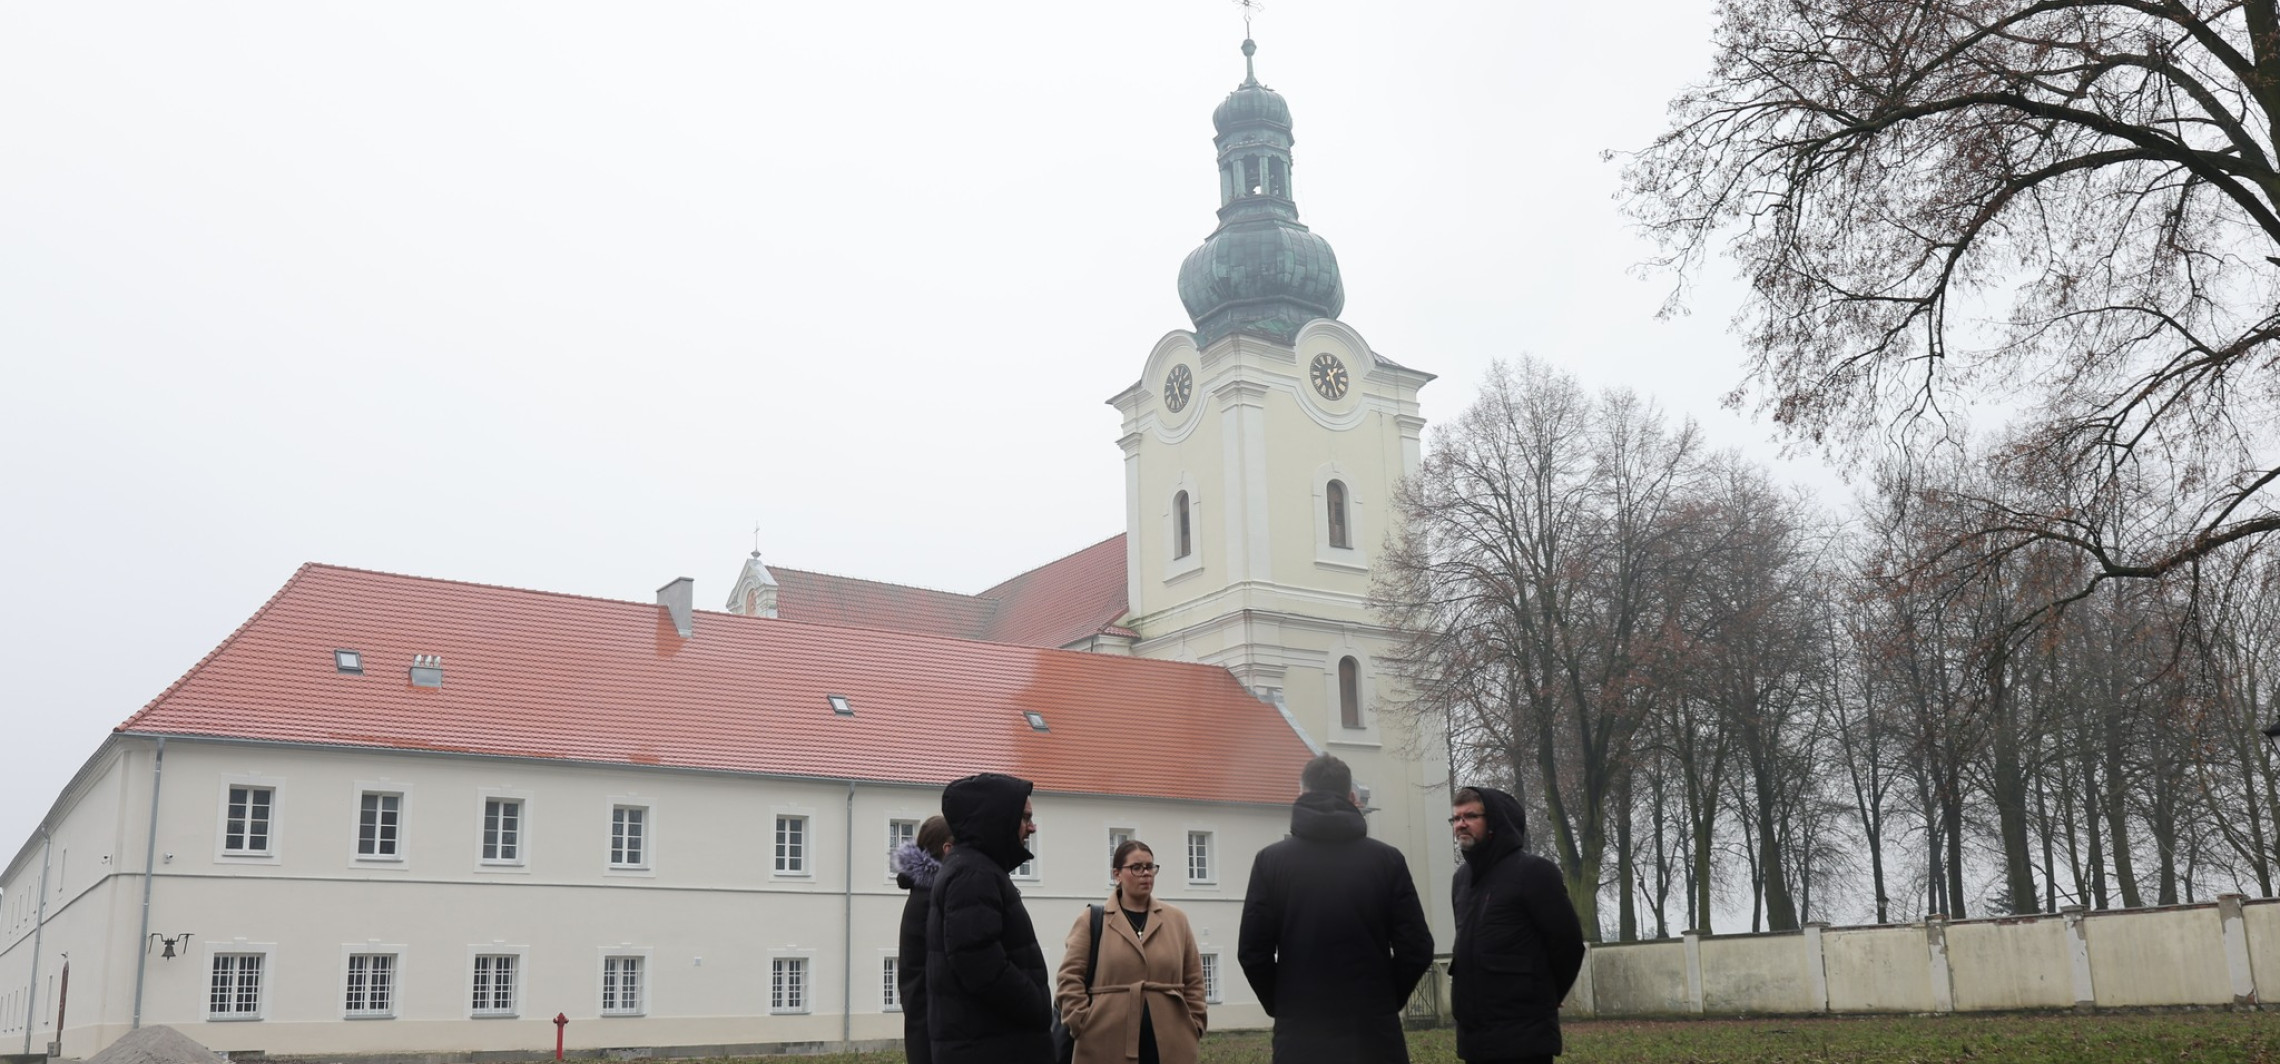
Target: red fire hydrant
{"x": 560, "y": 1022}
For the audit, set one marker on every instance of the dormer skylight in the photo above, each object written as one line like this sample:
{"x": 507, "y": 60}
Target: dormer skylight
{"x": 348, "y": 661}
{"x": 1036, "y": 720}
{"x": 840, "y": 705}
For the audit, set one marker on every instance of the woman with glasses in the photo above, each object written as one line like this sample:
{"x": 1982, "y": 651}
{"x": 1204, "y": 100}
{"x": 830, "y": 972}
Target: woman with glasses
{"x": 1146, "y": 997}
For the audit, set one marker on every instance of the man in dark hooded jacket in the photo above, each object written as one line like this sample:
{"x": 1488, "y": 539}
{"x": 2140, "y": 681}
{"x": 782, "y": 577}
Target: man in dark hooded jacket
{"x": 1333, "y": 937}
{"x": 1519, "y": 944}
{"x": 989, "y": 995}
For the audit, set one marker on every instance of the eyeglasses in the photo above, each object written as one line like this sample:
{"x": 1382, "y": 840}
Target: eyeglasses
{"x": 1465, "y": 817}
{"x": 1142, "y": 869}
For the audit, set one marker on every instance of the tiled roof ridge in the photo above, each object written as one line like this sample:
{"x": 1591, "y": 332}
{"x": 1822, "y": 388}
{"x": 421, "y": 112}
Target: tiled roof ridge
{"x": 993, "y": 590}
{"x": 983, "y": 598}
{"x": 243, "y": 626}
{"x": 481, "y": 584}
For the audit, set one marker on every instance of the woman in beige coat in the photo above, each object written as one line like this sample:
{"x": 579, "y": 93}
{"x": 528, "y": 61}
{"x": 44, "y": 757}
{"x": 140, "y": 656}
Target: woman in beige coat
{"x": 1146, "y": 1000}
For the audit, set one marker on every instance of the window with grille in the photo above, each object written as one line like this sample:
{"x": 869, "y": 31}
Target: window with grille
{"x": 899, "y": 832}
{"x": 235, "y": 993}
{"x": 890, "y": 991}
{"x": 379, "y": 825}
{"x": 621, "y": 986}
{"x": 371, "y": 985}
{"x": 791, "y": 845}
{"x": 246, "y": 827}
{"x": 1028, "y": 869}
{"x": 1211, "y": 978}
{"x": 494, "y": 985}
{"x": 502, "y": 829}
{"x": 1199, "y": 857}
{"x": 629, "y": 836}
{"x": 787, "y": 984}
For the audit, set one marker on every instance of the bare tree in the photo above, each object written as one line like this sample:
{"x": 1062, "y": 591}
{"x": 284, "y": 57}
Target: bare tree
{"x": 1524, "y": 583}
{"x": 2071, "y": 202}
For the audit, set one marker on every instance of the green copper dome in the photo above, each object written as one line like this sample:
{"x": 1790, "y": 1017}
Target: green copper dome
{"x": 1261, "y": 271}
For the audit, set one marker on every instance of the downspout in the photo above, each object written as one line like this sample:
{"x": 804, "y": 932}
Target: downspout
{"x": 150, "y": 861}
{"x": 39, "y": 929}
{"x": 847, "y": 894}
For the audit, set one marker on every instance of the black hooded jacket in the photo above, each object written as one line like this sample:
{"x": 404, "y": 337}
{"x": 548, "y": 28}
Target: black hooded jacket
{"x": 1519, "y": 944}
{"x": 1333, "y": 937}
{"x": 989, "y": 996}
{"x": 914, "y": 871}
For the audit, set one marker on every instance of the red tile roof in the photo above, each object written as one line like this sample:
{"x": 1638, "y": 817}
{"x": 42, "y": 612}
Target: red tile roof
{"x": 1054, "y": 605}
{"x": 821, "y": 598}
{"x": 539, "y": 675}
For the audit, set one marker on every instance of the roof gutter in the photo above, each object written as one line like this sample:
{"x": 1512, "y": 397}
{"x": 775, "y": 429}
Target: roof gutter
{"x": 150, "y": 868}
{"x": 694, "y": 770}
{"x": 39, "y": 930}
{"x": 847, "y": 964}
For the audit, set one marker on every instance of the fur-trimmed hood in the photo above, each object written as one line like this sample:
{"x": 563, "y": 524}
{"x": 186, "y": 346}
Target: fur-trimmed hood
{"x": 915, "y": 868}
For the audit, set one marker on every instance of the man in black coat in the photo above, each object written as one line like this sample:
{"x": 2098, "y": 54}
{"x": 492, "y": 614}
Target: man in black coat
{"x": 1519, "y": 944}
{"x": 1333, "y": 937}
{"x": 989, "y": 996}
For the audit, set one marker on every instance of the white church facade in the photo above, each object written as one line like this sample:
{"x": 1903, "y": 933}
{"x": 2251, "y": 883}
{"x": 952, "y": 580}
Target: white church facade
{"x": 395, "y": 815}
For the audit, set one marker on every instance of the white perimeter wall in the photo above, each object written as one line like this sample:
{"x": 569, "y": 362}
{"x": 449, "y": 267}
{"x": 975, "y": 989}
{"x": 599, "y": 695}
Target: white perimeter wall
{"x": 2222, "y": 953}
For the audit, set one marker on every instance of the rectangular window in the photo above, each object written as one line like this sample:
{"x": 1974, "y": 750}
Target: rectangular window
{"x": 235, "y": 993}
{"x": 1199, "y": 857}
{"x": 1210, "y": 978}
{"x": 502, "y": 829}
{"x": 899, "y": 832}
{"x": 1028, "y": 869}
{"x": 627, "y": 836}
{"x": 247, "y": 826}
{"x": 890, "y": 991}
{"x": 494, "y": 985}
{"x": 378, "y": 825}
{"x": 621, "y": 986}
{"x": 371, "y": 985}
{"x": 791, "y": 845}
{"x": 1117, "y": 837}
{"x": 787, "y": 984}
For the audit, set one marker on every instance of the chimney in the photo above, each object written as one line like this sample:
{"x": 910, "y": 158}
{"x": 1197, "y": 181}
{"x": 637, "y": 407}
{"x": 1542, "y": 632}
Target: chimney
{"x": 679, "y": 600}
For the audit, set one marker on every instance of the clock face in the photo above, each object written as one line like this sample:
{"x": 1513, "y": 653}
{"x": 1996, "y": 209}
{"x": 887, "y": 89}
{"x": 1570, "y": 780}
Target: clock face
{"x": 1178, "y": 384}
{"x": 1329, "y": 376}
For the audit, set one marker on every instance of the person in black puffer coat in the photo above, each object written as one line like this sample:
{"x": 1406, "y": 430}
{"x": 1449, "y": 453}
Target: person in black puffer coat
{"x": 1519, "y": 944}
{"x": 1333, "y": 937}
{"x": 989, "y": 995}
{"x": 916, "y": 864}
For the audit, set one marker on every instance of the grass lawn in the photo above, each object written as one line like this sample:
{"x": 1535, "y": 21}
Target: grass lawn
{"x": 2122, "y": 1038}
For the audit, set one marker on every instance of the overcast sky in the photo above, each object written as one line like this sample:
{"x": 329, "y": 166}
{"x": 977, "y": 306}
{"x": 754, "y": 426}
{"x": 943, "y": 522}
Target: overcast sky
{"x": 572, "y": 296}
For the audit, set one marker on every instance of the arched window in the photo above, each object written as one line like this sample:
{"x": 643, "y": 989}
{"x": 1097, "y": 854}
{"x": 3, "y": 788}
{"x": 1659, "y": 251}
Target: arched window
{"x": 1181, "y": 544}
{"x": 1336, "y": 494}
{"x": 1349, "y": 692}
{"x": 1278, "y": 178}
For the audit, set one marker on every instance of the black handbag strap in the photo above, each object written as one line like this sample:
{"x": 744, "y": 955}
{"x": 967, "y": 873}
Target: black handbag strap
{"x": 1092, "y": 962}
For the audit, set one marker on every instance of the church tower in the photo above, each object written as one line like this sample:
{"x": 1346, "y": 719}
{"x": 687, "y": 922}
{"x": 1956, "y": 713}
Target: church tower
{"x": 1261, "y": 450}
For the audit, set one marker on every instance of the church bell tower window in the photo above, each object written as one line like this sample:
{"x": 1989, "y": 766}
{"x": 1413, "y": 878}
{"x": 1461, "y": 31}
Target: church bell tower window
{"x": 1182, "y": 545}
{"x": 1336, "y": 496}
{"x": 1349, "y": 692}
